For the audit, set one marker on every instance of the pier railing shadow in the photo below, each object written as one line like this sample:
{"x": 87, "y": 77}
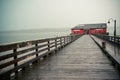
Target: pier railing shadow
{"x": 14, "y": 57}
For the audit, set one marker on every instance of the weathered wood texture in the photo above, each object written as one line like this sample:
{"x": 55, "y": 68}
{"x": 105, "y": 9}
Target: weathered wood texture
{"x": 111, "y": 50}
{"x": 81, "y": 60}
{"x": 113, "y": 39}
{"x": 18, "y": 55}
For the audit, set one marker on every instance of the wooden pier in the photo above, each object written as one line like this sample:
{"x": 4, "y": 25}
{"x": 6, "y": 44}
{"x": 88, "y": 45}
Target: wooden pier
{"x": 80, "y": 60}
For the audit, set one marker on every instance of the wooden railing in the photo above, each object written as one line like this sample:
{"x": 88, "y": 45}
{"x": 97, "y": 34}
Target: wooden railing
{"x": 113, "y": 39}
{"x": 109, "y": 42}
{"x": 14, "y": 57}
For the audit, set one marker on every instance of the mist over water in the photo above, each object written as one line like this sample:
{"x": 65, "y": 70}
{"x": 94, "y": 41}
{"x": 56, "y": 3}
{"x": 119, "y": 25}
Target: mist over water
{"x": 7, "y": 37}
{"x": 32, "y": 15}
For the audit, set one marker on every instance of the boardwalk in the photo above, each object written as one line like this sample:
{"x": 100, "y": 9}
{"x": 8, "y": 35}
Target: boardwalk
{"x": 81, "y": 60}
{"x": 112, "y": 49}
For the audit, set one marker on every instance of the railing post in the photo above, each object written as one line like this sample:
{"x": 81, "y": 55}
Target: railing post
{"x": 69, "y": 39}
{"x": 49, "y": 45}
{"x": 75, "y": 37}
{"x": 56, "y": 43}
{"x": 110, "y": 38}
{"x": 15, "y": 57}
{"x": 60, "y": 41}
{"x": 64, "y": 41}
{"x": 118, "y": 40}
{"x": 103, "y": 45}
{"x": 36, "y": 45}
{"x": 114, "y": 39}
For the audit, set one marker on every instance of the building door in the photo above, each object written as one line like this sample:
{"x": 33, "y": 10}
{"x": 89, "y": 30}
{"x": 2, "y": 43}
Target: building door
{"x": 86, "y": 31}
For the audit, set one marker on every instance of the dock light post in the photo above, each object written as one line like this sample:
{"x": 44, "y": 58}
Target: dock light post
{"x": 114, "y": 25}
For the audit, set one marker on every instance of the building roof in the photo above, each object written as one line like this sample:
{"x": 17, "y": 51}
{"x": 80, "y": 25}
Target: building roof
{"x": 88, "y": 26}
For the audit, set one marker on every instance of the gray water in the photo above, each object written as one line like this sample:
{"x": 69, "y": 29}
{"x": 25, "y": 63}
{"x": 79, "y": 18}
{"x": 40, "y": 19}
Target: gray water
{"x": 7, "y": 37}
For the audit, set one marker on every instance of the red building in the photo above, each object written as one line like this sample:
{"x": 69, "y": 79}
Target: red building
{"x": 89, "y": 29}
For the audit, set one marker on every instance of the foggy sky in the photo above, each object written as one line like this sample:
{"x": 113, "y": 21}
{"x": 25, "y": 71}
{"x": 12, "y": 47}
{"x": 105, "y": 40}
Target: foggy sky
{"x": 31, "y": 14}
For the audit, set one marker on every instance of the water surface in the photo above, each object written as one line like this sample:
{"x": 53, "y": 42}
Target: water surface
{"x": 35, "y": 34}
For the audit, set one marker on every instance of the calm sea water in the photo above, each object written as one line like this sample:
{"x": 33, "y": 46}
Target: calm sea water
{"x": 8, "y": 37}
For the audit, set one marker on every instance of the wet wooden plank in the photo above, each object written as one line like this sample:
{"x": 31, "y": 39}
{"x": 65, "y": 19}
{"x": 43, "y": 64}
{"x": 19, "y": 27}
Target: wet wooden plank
{"x": 81, "y": 60}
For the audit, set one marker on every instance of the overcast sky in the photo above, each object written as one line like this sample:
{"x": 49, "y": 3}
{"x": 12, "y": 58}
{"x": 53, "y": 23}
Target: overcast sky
{"x": 29, "y": 14}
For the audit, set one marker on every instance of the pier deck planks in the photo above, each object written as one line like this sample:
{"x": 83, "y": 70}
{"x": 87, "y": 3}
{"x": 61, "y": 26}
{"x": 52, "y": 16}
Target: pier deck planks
{"x": 81, "y": 60}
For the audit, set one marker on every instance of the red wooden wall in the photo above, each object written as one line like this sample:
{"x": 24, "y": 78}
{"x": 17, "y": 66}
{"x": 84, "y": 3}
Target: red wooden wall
{"x": 90, "y": 31}
{"x": 81, "y": 31}
{"x": 97, "y": 31}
